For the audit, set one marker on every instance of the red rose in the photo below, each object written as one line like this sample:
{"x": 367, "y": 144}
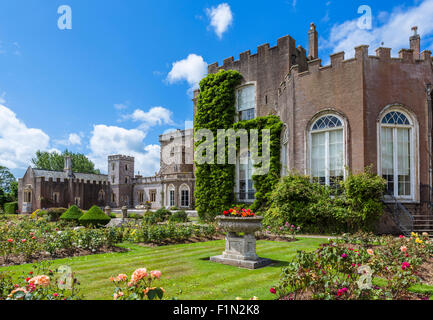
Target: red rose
{"x": 273, "y": 291}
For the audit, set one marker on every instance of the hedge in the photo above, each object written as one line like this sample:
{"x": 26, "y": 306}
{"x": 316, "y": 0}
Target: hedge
{"x": 95, "y": 216}
{"x": 72, "y": 214}
{"x": 11, "y": 207}
{"x": 179, "y": 217}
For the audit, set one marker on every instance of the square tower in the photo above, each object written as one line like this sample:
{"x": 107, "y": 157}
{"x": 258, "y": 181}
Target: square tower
{"x": 121, "y": 176}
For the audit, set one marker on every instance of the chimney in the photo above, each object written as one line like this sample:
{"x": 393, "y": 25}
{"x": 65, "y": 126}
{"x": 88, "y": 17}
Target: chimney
{"x": 415, "y": 43}
{"x": 68, "y": 166}
{"x": 313, "y": 42}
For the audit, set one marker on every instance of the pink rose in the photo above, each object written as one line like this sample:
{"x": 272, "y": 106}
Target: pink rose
{"x": 156, "y": 274}
{"x": 273, "y": 291}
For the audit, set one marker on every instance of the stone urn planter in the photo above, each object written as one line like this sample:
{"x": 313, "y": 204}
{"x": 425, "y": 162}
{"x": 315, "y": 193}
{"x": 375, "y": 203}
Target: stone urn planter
{"x": 240, "y": 249}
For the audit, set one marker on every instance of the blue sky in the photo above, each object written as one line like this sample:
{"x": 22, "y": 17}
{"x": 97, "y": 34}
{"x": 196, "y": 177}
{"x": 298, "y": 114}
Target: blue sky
{"x": 125, "y": 71}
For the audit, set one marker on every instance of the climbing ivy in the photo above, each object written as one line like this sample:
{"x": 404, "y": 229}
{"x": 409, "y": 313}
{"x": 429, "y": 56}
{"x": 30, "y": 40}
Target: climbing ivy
{"x": 215, "y": 183}
{"x": 264, "y": 184}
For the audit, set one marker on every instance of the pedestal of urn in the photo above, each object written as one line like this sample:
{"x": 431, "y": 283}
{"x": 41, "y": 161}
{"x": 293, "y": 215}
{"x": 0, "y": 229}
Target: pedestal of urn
{"x": 240, "y": 250}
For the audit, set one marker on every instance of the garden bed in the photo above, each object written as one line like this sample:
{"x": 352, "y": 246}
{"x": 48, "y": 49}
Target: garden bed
{"x": 19, "y": 259}
{"x": 361, "y": 267}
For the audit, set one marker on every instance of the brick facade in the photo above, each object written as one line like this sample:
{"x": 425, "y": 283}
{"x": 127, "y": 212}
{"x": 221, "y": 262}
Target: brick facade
{"x": 359, "y": 90}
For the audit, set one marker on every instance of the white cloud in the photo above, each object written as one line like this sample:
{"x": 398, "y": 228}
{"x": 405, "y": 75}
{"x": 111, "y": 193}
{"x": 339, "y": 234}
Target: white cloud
{"x": 18, "y": 143}
{"x": 109, "y": 140}
{"x": 74, "y": 139}
{"x": 221, "y": 18}
{"x": 120, "y": 106}
{"x": 394, "y": 30}
{"x": 192, "y": 69}
{"x": 155, "y": 116}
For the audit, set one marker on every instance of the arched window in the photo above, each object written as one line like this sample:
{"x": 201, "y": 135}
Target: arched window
{"x": 28, "y": 194}
{"x": 101, "y": 195}
{"x": 284, "y": 151}
{"x": 397, "y": 141}
{"x": 171, "y": 196}
{"x": 327, "y": 150}
{"x": 184, "y": 196}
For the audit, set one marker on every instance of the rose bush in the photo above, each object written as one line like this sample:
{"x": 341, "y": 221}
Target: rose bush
{"x": 139, "y": 287}
{"x": 343, "y": 268}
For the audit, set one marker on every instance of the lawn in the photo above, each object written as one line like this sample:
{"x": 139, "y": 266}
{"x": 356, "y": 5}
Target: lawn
{"x": 187, "y": 274}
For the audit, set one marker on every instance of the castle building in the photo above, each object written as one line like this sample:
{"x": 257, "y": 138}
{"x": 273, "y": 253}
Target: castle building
{"x": 368, "y": 110}
{"x": 173, "y": 186}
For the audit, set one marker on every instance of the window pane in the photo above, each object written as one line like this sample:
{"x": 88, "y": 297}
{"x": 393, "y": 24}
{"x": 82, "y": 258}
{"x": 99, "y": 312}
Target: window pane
{"x": 403, "y": 160}
{"x": 336, "y": 155}
{"x": 387, "y": 150}
{"x": 246, "y": 98}
{"x": 246, "y": 185}
{"x": 318, "y": 153}
{"x": 247, "y": 114}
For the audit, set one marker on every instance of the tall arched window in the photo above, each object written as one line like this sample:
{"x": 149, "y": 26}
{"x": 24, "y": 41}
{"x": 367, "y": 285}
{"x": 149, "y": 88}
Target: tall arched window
{"x": 397, "y": 153}
{"x": 327, "y": 150}
{"x": 171, "y": 195}
{"x": 101, "y": 195}
{"x": 284, "y": 151}
{"x": 184, "y": 196}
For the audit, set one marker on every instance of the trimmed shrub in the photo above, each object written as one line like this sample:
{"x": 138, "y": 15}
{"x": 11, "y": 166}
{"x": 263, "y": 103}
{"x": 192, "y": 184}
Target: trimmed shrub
{"x": 54, "y": 214}
{"x": 72, "y": 214}
{"x": 179, "y": 217}
{"x": 174, "y": 208}
{"x": 11, "y": 207}
{"x": 160, "y": 215}
{"x": 94, "y": 217}
{"x": 113, "y": 215}
{"x": 316, "y": 209}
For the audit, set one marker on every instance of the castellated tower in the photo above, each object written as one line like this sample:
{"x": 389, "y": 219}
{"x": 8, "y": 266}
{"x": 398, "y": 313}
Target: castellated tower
{"x": 121, "y": 176}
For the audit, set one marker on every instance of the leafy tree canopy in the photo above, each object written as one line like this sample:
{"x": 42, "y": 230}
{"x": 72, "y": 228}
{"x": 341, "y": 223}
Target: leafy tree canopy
{"x": 56, "y": 162}
{"x": 6, "y": 180}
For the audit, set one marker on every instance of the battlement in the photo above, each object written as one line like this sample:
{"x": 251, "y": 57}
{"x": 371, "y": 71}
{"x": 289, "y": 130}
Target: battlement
{"x": 406, "y": 56}
{"x": 67, "y": 180}
{"x": 284, "y": 46}
{"x": 120, "y": 157}
{"x": 177, "y": 133}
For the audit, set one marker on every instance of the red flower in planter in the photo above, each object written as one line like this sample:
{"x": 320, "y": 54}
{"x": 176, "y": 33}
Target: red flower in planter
{"x": 239, "y": 212}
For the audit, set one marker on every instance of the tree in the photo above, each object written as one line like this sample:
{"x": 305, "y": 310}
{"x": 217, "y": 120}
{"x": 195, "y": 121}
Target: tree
{"x": 6, "y": 179}
{"x": 56, "y": 162}
{"x": 8, "y": 186}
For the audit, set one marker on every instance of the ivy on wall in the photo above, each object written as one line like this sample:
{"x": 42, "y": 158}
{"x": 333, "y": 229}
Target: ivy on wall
{"x": 215, "y": 183}
{"x": 264, "y": 184}
{"x": 215, "y": 110}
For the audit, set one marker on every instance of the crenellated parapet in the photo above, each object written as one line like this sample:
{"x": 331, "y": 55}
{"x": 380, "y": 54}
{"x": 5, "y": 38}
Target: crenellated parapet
{"x": 337, "y": 60}
{"x": 285, "y": 45}
{"x": 120, "y": 157}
